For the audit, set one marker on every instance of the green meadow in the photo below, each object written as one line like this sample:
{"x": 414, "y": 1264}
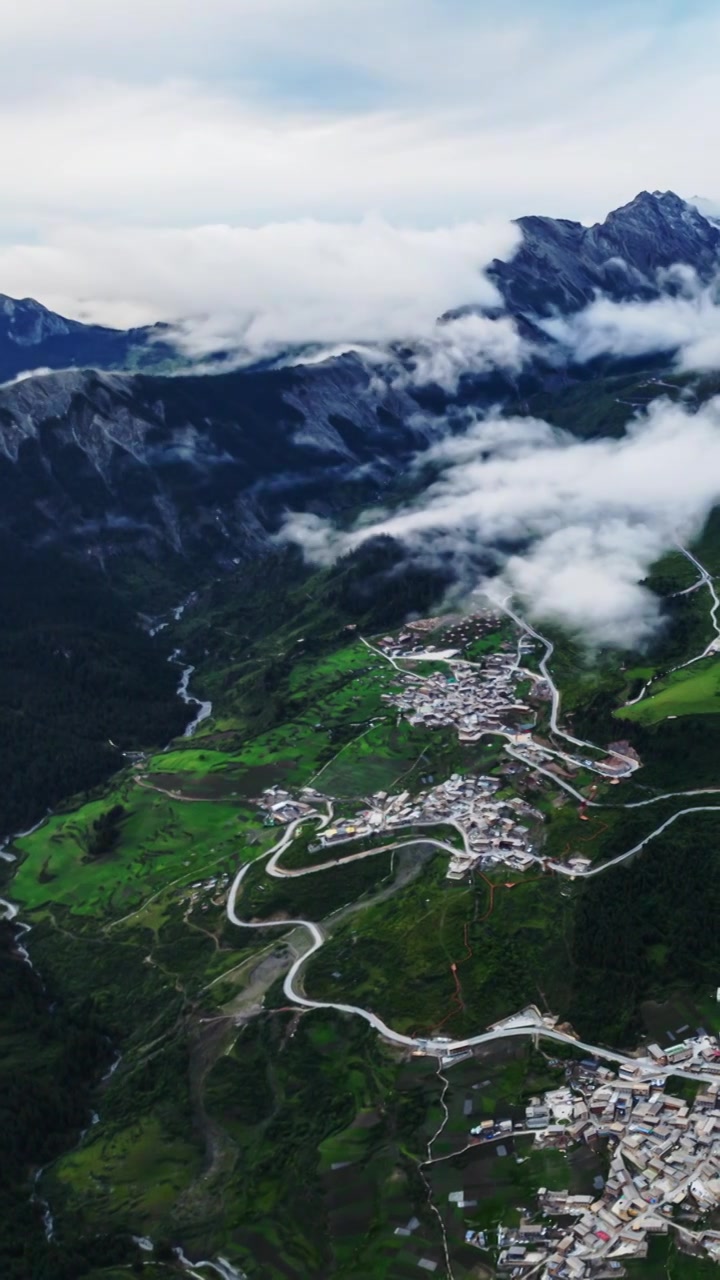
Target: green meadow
{"x": 690, "y": 692}
{"x": 163, "y": 843}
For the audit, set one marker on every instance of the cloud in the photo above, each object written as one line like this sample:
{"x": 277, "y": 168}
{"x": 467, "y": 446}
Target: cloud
{"x": 257, "y": 289}
{"x": 469, "y": 344}
{"x": 42, "y": 372}
{"x": 685, "y": 323}
{"x": 574, "y": 524}
{"x": 209, "y": 121}
{"x": 423, "y": 110}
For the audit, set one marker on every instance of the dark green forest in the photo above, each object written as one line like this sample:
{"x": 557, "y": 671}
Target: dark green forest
{"x": 48, "y": 1056}
{"x": 75, "y": 671}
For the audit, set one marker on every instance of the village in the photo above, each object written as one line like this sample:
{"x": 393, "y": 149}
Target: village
{"x": 481, "y": 698}
{"x": 492, "y": 830}
{"x": 476, "y": 698}
{"x": 663, "y": 1171}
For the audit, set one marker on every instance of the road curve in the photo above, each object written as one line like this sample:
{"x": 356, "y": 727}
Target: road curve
{"x": 705, "y": 580}
{"x": 440, "y": 1047}
{"x": 530, "y": 1027}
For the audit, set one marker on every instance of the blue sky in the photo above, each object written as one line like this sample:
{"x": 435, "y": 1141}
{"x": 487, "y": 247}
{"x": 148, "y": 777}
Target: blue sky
{"x": 124, "y": 119}
{"x": 169, "y": 112}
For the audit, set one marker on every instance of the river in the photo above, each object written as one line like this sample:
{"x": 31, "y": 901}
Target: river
{"x": 9, "y": 911}
{"x": 204, "y": 709}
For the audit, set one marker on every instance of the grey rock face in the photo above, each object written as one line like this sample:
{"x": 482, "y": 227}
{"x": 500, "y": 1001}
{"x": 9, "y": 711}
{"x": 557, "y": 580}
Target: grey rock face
{"x": 200, "y": 465}
{"x": 561, "y": 265}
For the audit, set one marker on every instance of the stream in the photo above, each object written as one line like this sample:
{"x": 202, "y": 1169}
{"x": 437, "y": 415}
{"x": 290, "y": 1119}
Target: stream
{"x": 204, "y": 709}
{"x": 9, "y": 911}
{"x": 220, "y": 1266}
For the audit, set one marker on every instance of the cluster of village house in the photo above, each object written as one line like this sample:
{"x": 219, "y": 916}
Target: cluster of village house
{"x": 474, "y": 698}
{"x": 281, "y": 807}
{"x": 480, "y": 698}
{"x": 494, "y": 831}
{"x": 664, "y": 1165}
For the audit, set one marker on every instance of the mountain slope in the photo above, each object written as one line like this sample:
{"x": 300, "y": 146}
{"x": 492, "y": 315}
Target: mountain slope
{"x": 98, "y": 462}
{"x": 108, "y": 462}
{"x": 560, "y": 265}
{"x": 32, "y": 337}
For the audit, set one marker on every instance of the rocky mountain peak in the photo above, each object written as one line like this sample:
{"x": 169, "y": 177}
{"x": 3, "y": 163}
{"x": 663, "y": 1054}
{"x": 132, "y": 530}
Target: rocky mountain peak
{"x": 28, "y": 323}
{"x": 562, "y": 265}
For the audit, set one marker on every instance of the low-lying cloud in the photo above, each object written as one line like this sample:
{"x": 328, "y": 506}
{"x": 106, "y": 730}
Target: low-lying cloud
{"x": 584, "y": 520}
{"x": 255, "y": 290}
{"x": 468, "y": 344}
{"x": 685, "y": 322}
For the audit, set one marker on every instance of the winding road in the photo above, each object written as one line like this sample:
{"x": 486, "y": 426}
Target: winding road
{"x": 705, "y": 580}
{"x": 522, "y": 1025}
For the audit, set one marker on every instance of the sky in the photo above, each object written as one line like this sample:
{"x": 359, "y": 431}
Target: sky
{"x": 166, "y": 112}
{"x": 263, "y": 173}
{"x": 130, "y": 121}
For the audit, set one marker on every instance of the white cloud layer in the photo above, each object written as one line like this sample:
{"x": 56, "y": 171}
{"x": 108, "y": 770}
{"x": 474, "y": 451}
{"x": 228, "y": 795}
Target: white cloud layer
{"x": 257, "y": 289}
{"x": 590, "y": 517}
{"x": 427, "y": 111}
{"x": 469, "y": 344}
{"x": 237, "y": 114}
{"x": 687, "y": 323}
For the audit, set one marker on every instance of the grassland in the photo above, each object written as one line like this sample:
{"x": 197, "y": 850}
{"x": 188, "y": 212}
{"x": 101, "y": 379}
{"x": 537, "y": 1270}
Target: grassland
{"x": 500, "y": 939}
{"x": 187, "y": 815}
{"x": 163, "y": 843}
{"x": 329, "y": 702}
{"x": 691, "y": 692}
{"x": 132, "y": 1176}
{"x": 291, "y": 1144}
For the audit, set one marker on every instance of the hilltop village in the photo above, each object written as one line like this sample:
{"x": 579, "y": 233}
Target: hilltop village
{"x": 664, "y": 1166}
{"x": 480, "y": 698}
{"x": 493, "y": 830}
{"x": 476, "y": 698}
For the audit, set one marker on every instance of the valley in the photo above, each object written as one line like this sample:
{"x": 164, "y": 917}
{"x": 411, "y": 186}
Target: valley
{"x": 344, "y": 903}
{"x": 349, "y": 871}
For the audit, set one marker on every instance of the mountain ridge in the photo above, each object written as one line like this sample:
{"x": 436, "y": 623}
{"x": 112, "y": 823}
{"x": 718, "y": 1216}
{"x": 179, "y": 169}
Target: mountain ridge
{"x": 562, "y": 265}
{"x": 559, "y": 265}
{"x": 99, "y": 461}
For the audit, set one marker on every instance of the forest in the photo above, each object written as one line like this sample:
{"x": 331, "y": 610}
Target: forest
{"x": 79, "y": 671}
{"x": 76, "y": 670}
{"x": 48, "y": 1061}
{"x": 648, "y": 930}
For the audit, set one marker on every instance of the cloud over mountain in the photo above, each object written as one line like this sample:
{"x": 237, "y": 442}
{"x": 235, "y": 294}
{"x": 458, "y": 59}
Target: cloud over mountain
{"x": 469, "y": 344}
{"x": 257, "y": 289}
{"x": 574, "y": 525}
{"x": 685, "y": 321}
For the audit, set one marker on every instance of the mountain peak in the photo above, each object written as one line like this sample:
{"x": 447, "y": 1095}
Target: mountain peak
{"x": 652, "y": 206}
{"x": 668, "y": 199}
{"x": 562, "y": 266}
